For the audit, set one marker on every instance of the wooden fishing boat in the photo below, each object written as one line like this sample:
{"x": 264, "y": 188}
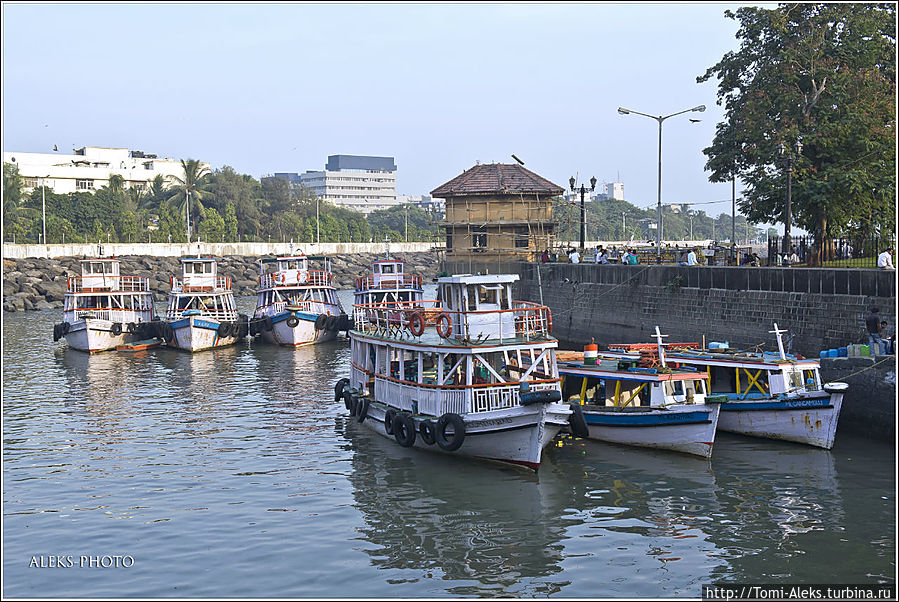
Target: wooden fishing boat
{"x": 480, "y": 382}
{"x": 142, "y": 345}
{"x": 771, "y": 395}
{"x": 102, "y": 308}
{"x": 296, "y": 306}
{"x": 201, "y": 312}
{"x": 642, "y": 401}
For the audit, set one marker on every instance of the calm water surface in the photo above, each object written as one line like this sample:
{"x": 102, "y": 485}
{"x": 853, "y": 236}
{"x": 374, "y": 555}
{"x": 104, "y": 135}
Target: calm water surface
{"x": 232, "y": 473}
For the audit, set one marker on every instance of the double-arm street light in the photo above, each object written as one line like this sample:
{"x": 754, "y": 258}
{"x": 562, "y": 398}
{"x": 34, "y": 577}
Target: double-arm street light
{"x": 785, "y": 153}
{"x": 660, "y": 119}
{"x": 583, "y": 191}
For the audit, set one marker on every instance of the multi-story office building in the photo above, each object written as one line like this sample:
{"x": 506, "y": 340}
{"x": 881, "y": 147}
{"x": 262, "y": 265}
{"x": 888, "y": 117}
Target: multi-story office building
{"x": 364, "y": 184}
{"x": 90, "y": 168}
{"x": 615, "y": 190}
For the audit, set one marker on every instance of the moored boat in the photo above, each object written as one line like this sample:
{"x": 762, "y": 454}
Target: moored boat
{"x": 201, "y": 311}
{"x": 481, "y": 382}
{"x": 387, "y": 283}
{"x": 295, "y": 305}
{"x": 103, "y": 308}
{"x": 642, "y": 401}
{"x": 774, "y": 395}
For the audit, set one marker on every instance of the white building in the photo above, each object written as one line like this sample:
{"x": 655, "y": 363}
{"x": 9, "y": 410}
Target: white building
{"x": 615, "y": 190}
{"x": 90, "y": 168}
{"x": 364, "y": 184}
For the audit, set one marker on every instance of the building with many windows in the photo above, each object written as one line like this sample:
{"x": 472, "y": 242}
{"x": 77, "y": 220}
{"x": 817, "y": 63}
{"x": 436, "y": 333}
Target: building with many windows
{"x": 90, "y": 168}
{"x": 362, "y": 183}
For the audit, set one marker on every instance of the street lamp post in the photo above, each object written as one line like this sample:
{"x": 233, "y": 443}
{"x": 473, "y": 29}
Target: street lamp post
{"x": 583, "y": 191}
{"x": 787, "y": 154}
{"x": 44, "y": 208}
{"x": 660, "y": 119}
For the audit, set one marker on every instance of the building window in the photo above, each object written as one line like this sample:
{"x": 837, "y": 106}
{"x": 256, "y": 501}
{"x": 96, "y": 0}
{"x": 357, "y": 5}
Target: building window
{"x": 479, "y": 237}
{"x": 521, "y": 237}
{"x": 31, "y": 183}
{"x": 148, "y": 165}
{"x": 84, "y": 184}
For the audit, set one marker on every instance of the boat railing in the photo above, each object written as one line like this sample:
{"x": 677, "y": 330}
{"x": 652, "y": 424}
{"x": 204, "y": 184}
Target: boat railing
{"x": 387, "y": 281}
{"x": 200, "y": 284}
{"x": 434, "y": 400}
{"x": 283, "y": 278}
{"x": 113, "y": 315}
{"x": 221, "y": 315}
{"x": 98, "y": 284}
{"x": 398, "y": 318}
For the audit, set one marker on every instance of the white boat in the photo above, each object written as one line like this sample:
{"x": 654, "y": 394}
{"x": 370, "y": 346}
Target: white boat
{"x": 387, "y": 283}
{"x": 481, "y": 382}
{"x": 642, "y": 401}
{"x": 295, "y": 305}
{"x": 201, "y": 312}
{"x": 770, "y": 395}
{"x": 102, "y": 308}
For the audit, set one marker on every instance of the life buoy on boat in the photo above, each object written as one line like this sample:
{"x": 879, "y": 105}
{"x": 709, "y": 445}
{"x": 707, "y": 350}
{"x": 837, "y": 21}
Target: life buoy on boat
{"x": 444, "y": 325}
{"x": 426, "y": 430}
{"x": 280, "y": 277}
{"x": 577, "y": 422}
{"x": 116, "y": 328}
{"x": 321, "y": 321}
{"x": 416, "y": 323}
{"x": 293, "y": 321}
{"x": 549, "y": 321}
{"x": 454, "y": 420}
{"x": 388, "y": 421}
{"x": 404, "y": 430}
{"x": 302, "y": 277}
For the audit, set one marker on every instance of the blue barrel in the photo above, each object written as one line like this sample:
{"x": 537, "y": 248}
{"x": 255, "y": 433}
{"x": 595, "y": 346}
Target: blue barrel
{"x": 832, "y": 353}
{"x": 843, "y": 351}
{"x": 823, "y": 353}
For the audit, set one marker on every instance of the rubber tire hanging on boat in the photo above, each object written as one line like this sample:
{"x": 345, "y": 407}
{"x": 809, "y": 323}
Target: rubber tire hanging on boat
{"x": 404, "y": 430}
{"x": 332, "y": 323}
{"x": 168, "y": 333}
{"x": 388, "y": 421}
{"x": 320, "y": 321}
{"x": 56, "y": 332}
{"x": 548, "y": 396}
{"x": 426, "y": 430}
{"x": 130, "y": 327}
{"x": 458, "y": 432}
{"x": 293, "y": 321}
{"x": 224, "y": 330}
{"x": 362, "y": 410}
{"x": 116, "y": 328}
{"x": 577, "y": 422}
{"x": 339, "y": 386}
{"x": 267, "y": 323}
{"x": 65, "y": 328}
{"x": 347, "y": 399}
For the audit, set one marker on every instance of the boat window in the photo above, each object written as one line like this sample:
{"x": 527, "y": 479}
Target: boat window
{"x": 472, "y": 297}
{"x": 724, "y": 379}
{"x": 796, "y": 379}
{"x": 811, "y": 380}
{"x": 387, "y": 268}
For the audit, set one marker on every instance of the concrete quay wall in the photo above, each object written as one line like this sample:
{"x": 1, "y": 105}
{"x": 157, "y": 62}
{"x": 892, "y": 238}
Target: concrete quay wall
{"x": 246, "y": 249}
{"x": 869, "y": 405}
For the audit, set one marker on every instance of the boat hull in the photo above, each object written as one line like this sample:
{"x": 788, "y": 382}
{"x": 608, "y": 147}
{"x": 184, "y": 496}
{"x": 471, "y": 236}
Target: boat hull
{"x": 95, "y": 335}
{"x": 197, "y": 333}
{"x": 304, "y": 333}
{"x": 515, "y": 436}
{"x": 685, "y": 429}
{"x": 807, "y": 420}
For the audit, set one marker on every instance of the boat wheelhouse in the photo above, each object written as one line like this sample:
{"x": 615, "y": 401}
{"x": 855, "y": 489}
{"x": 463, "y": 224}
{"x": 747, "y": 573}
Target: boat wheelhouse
{"x": 387, "y": 283}
{"x": 102, "y": 308}
{"x": 201, "y": 312}
{"x": 642, "y": 401}
{"x": 773, "y": 395}
{"x": 481, "y": 382}
{"x": 295, "y": 305}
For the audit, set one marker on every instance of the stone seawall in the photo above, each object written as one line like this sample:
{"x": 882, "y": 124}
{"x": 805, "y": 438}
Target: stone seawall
{"x": 869, "y": 405}
{"x": 36, "y": 283}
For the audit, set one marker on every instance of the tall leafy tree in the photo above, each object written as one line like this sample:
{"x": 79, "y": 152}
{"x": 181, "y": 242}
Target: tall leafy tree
{"x": 189, "y": 191}
{"x": 825, "y": 74}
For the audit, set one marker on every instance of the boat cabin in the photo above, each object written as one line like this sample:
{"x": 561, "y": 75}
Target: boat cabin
{"x": 102, "y": 292}
{"x": 388, "y": 283}
{"x": 198, "y": 274}
{"x": 99, "y": 274}
{"x": 480, "y": 307}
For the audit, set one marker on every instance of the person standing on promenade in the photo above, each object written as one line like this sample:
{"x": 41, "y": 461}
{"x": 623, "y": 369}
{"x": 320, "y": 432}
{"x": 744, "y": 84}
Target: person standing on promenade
{"x": 876, "y": 344}
{"x": 691, "y": 257}
{"x": 885, "y": 260}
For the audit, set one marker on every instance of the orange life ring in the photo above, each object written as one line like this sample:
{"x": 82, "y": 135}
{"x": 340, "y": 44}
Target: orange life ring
{"x": 416, "y": 322}
{"x": 302, "y": 276}
{"x": 549, "y": 321}
{"x": 444, "y": 325}
{"x": 279, "y": 278}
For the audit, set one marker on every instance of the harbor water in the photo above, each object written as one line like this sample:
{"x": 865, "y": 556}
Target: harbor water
{"x": 232, "y": 472}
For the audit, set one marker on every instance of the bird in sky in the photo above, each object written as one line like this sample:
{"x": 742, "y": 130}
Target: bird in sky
{"x": 695, "y": 120}
{"x": 54, "y": 148}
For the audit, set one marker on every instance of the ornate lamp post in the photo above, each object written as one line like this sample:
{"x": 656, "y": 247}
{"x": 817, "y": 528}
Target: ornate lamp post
{"x": 660, "y": 119}
{"x": 786, "y": 154}
{"x": 583, "y": 191}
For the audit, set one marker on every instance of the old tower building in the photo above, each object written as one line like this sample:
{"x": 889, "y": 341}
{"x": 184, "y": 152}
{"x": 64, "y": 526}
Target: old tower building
{"x": 496, "y": 211}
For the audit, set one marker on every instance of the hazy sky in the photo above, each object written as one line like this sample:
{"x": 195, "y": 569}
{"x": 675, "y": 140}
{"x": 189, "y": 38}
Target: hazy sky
{"x": 279, "y": 87}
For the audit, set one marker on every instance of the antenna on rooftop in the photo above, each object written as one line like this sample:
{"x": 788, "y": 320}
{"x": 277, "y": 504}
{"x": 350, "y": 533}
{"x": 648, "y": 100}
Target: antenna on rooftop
{"x": 520, "y": 162}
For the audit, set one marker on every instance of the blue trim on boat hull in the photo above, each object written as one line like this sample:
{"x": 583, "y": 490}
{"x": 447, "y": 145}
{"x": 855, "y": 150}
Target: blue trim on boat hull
{"x": 646, "y": 420}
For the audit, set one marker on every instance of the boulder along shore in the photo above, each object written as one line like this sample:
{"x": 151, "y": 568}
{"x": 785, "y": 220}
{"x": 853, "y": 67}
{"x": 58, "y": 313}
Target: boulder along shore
{"x": 35, "y": 283}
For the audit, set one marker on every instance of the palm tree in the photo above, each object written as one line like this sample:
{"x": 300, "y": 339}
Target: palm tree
{"x": 13, "y": 199}
{"x": 190, "y": 191}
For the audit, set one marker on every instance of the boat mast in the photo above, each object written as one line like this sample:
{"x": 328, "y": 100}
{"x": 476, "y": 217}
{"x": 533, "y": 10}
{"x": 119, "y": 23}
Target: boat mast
{"x": 659, "y": 337}
{"x": 780, "y": 342}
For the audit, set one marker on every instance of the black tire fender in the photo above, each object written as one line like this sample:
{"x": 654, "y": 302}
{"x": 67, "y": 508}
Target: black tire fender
{"x": 293, "y": 321}
{"x": 225, "y": 330}
{"x": 321, "y": 321}
{"x": 577, "y": 422}
{"x": 404, "y": 430}
{"x": 65, "y": 328}
{"x": 339, "y": 386}
{"x": 388, "y": 421}
{"x": 331, "y": 323}
{"x": 116, "y": 328}
{"x": 362, "y": 410}
{"x": 56, "y": 332}
{"x": 426, "y": 429}
{"x": 454, "y": 420}
{"x": 348, "y": 400}
{"x": 267, "y": 323}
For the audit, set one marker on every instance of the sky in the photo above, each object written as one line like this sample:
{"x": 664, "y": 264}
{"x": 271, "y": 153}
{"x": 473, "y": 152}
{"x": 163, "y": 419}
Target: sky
{"x": 278, "y": 87}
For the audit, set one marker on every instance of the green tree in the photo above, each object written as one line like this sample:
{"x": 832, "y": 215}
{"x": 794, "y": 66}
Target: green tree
{"x": 230, "y": 223}
{"x": 825, "y": 74}
{"x": 17, "y": 214}
{"x": 189, "y": 191}
{"x": 211, "y": 226}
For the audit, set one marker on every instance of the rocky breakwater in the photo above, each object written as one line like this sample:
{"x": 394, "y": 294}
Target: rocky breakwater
{"x": 34, "y": 284}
